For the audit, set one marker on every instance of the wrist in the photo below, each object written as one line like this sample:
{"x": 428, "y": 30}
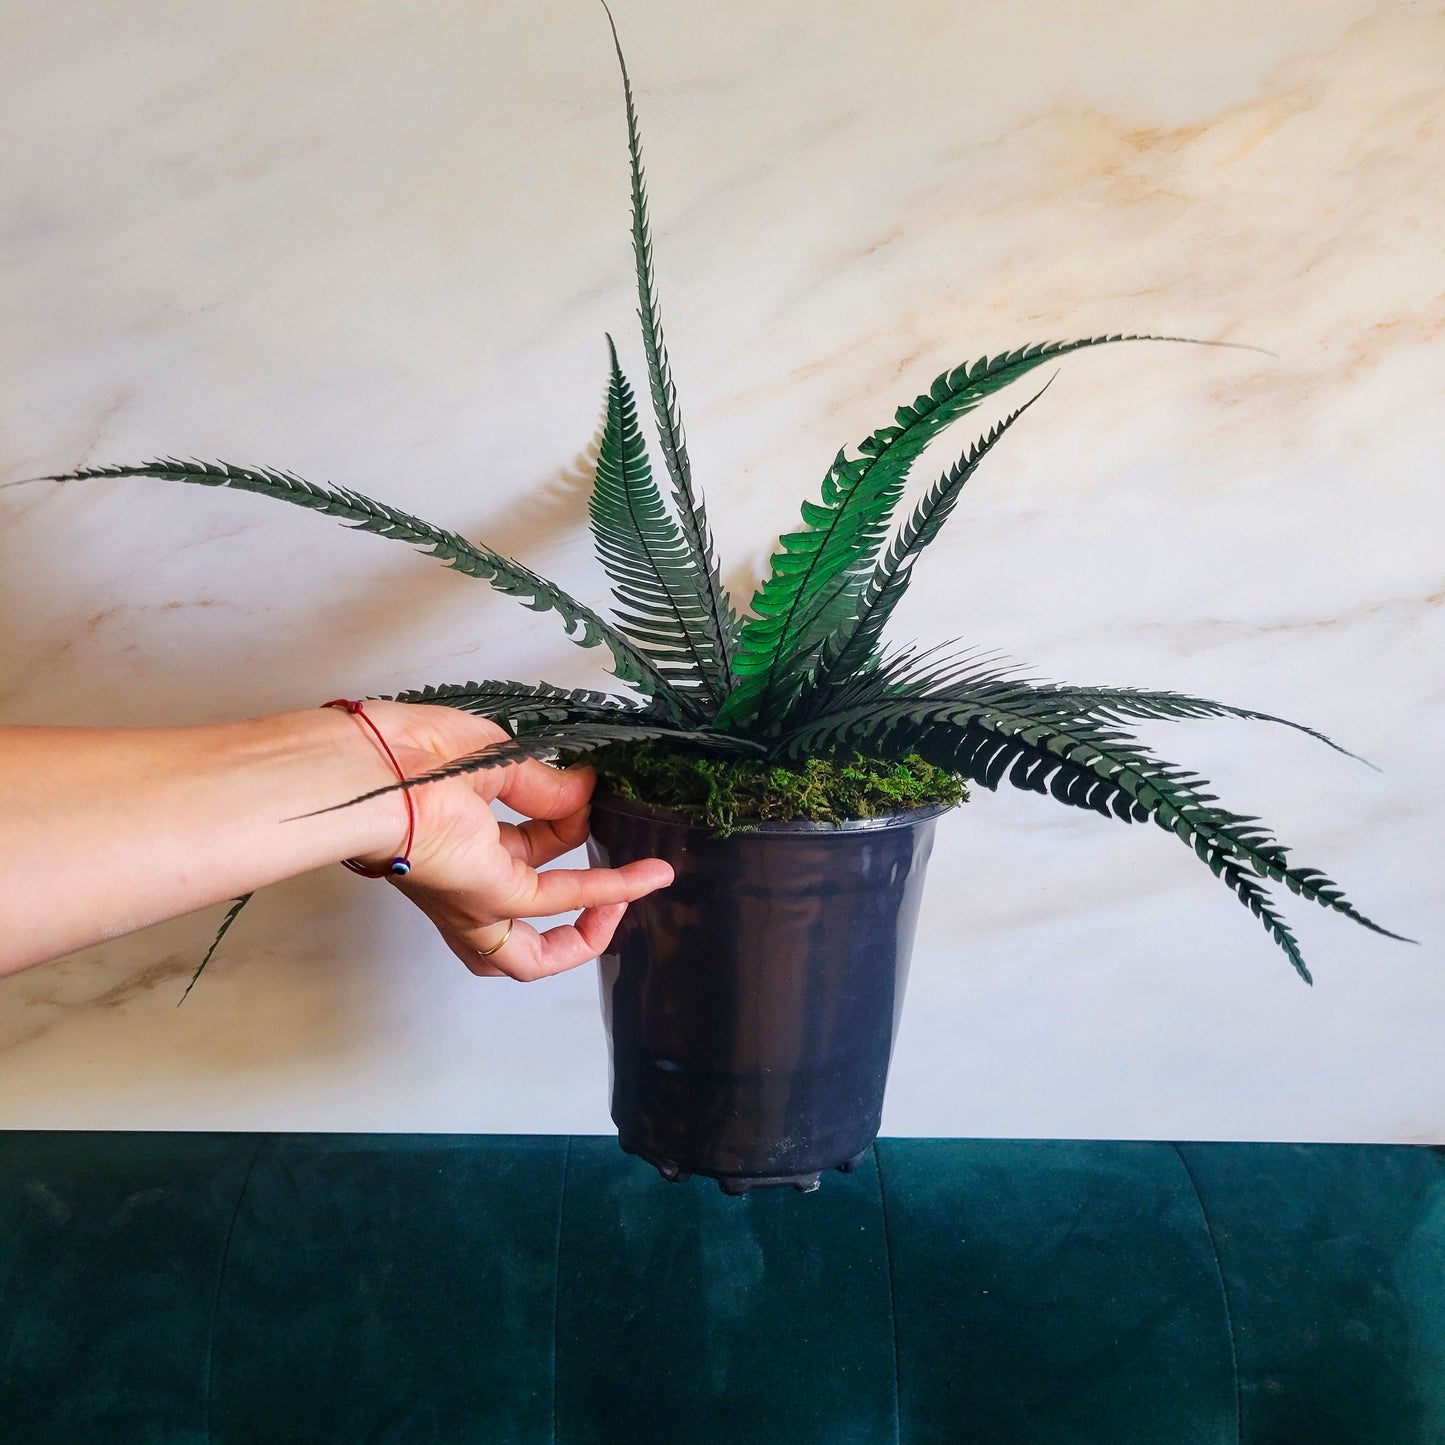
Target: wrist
{"x": 314, "y": 760}
{"x": 387, "y": 824}
{"x": 398, "y": 864}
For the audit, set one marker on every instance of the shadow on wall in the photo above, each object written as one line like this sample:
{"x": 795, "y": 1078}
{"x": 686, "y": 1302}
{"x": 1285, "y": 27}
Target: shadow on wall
{"x": 285, "y": 630}
{"x": 555, "y": 511}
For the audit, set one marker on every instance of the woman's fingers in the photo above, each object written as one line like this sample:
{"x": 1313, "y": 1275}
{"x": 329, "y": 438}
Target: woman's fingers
{"x": 527, "y": 955}
{"x": 540, "y": 840}
{"x": 560, "y": 890}
{"x": 478, "y": 877}
{"x": 569, "y": 944}
{"x": 482, "y": 967}
{"x": 438, "y": 734}
{"x": 531, "y": 787}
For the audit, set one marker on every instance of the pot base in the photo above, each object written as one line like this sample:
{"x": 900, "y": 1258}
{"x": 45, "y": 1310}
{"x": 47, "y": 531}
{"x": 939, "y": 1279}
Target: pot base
{"x": 736, "y": 1185}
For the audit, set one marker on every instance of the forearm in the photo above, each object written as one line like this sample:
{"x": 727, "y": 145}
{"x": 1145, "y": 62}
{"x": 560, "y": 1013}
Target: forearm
{"x": 104, "y": 831}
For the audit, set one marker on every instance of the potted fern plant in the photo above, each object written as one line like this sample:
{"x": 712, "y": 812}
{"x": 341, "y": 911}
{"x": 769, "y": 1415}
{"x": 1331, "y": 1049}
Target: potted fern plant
{"x": 788, "y": 764}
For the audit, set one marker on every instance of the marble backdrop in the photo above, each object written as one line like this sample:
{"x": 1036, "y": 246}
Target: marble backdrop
{"x": 379, "y": 244}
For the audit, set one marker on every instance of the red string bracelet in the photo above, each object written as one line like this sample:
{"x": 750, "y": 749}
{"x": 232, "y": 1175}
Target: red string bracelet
{"x": 398, "y": 867}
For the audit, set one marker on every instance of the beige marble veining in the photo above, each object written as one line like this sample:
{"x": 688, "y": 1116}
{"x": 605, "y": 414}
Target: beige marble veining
{"x": 379, "y": 245}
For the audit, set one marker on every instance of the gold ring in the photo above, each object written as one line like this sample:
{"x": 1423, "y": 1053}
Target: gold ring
{"x": 488, "y": 952}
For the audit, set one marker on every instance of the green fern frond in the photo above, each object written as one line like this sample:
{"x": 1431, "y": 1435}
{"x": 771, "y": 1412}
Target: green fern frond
{"x": 1246, "y": 886}
{"x": 515, "y": 704}
{"x": 660, "y": 591}
{"x": 935, "y": 672}
{"x": 1118, "y": 704}
{"x": 231, "y": 915}
{"x": 1084, "y": 764}
{"x": 583, "y": 625}
{"x": 580, "y": 737}
{"x": 962, "y": 726}
{"x": 973, "y": 676}
{"x": 852, "y": 647}
{"x": 690, "y": 509}
{"x": 817, "y": 571}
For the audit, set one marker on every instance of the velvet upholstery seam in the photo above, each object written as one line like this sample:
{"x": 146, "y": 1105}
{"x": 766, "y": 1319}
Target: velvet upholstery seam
{"x": 557, "y": 1276}
{"x": 221, "y": 1274}
{"x": 892, "y": 1300}
{"x": 1223, "y": 1291}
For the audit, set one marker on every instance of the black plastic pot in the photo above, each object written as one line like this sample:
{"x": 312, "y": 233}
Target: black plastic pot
{"x": 751, "y": 1007}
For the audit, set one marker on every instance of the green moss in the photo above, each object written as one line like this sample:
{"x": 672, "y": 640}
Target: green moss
{"x": 729, "y": 794}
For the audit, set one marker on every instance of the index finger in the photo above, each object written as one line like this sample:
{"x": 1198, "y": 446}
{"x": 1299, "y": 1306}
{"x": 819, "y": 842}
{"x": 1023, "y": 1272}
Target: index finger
{"x": 538, "y": 791}
{"x": 560, "y": 890}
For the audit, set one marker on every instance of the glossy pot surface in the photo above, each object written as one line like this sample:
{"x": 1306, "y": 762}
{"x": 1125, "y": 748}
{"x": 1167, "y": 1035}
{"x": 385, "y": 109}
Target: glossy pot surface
{"x": 751, "y": 1007}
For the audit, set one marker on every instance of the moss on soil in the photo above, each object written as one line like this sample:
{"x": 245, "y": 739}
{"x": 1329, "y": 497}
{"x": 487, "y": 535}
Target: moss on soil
{"x": 730, "y": 794}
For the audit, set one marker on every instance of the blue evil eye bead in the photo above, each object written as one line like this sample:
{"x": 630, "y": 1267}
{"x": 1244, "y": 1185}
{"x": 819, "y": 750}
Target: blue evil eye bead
{"x": 400, "y": 867}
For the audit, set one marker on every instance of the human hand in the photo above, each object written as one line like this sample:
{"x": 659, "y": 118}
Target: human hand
{"x": 471, "y": 873}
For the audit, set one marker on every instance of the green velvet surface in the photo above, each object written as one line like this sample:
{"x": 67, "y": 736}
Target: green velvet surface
{"x": 1055, "y": 1293}
{"x": 686, "y": 1315}
{"x": 390, "y": 1289}
{"x": 277, "y": 1288}
{"x": 111, "y": 1247}
{"x": 1335, "y": 1264}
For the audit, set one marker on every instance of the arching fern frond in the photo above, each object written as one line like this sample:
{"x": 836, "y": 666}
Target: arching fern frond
{"x": 1085, "y": 764}
{"x": 1246, "y": 886}
{"x": 580, "y": 737}
{"x": 692, "y": 514}
{"x": 936, "y": 672}
{"x": 232, "y": 913}
{"x": 852, "y": 646}
{"x": 1118, "y": 704}
{"x": 973, "y": 676}
{"x": 817, "y": 571}
{"x": 661, "y": 593}
{"x": 515, "y": 704}
{"x": 361, "y": 513}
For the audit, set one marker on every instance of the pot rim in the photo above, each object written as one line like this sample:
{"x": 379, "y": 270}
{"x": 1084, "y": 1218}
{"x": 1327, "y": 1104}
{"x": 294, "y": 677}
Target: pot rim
{"x": 629, "y": 807}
